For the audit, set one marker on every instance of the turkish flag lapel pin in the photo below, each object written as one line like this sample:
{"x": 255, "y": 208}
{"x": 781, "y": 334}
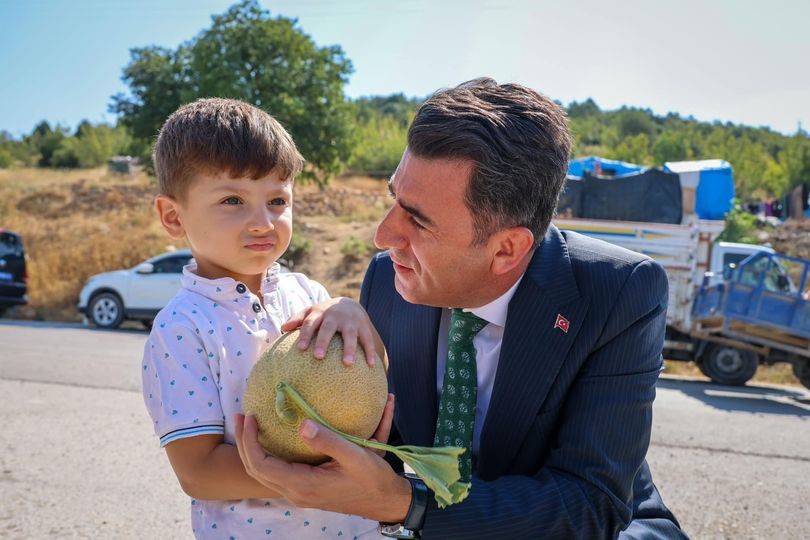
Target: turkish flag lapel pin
{"x": 562, "y": 323}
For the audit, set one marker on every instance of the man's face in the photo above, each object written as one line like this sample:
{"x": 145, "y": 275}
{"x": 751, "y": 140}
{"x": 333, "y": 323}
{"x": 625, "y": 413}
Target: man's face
{"x": 237, "y": 227}
{"x": 429, "y": 234}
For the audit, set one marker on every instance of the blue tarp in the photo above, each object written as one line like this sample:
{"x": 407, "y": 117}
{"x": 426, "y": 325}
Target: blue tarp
{"x": 602, "y": 167}
{"x": 714, "y": 193}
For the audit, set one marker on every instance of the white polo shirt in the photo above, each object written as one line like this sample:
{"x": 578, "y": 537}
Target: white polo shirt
{"x": 196, "y": 361}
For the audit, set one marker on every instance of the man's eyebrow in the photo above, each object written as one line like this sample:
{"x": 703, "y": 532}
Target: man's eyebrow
{"x": 412, "y": 210}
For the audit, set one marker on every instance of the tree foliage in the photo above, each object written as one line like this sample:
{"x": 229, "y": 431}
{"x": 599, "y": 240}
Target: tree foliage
{"x": 381, "y": 133}
{"x": 246, "y": 54}
{"x": 765, "y": 163}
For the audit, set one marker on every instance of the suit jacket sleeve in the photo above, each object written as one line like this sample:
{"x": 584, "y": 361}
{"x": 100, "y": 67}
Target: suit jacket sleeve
{"x": 585, "y": 487}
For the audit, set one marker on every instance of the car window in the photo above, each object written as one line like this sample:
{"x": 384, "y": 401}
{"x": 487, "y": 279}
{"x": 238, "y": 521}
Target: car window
{"x": 10, "y": 244}
{"x": 774, "y": 278}
{"x": 171, "y": 265}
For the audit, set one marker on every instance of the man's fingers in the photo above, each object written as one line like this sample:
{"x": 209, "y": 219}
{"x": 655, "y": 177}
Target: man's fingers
{"x": 384, "y": 428}
{"x": 328, "y": 442}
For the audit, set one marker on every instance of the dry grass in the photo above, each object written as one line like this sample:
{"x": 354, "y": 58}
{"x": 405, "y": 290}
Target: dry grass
{"x": 76, "y": 224}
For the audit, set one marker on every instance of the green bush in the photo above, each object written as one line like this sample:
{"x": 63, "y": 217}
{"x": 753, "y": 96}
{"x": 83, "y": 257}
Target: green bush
{"x": 740, "y": 227}
{"x": 355, "y": 249}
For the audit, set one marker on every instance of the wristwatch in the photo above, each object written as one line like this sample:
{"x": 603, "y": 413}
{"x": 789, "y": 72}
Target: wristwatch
{"x": 411, "y": 526}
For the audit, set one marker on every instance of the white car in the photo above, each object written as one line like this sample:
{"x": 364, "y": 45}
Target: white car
{"x": 137, "y": 293}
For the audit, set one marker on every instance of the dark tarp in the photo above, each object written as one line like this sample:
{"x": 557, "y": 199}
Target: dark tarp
{"x": 651, "y": 196}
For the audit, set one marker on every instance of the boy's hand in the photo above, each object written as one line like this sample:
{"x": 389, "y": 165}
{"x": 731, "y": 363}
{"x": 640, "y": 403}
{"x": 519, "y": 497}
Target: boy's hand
{"x": 342, "y": 315}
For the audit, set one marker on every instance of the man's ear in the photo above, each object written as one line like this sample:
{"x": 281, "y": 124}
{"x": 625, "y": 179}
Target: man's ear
{"x": 511, "y": 247}
{"x": 168, "y": 212}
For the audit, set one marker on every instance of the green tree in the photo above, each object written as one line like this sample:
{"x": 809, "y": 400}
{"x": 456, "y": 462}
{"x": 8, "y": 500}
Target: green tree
{"x": 670, "y": 146}
{"x": 44, "y": 141}
{"x": 92, "y": 146}
{"x": 635, "y": 149}
{"x": 631, "y": 122}
{"x": 795, "y": 160}
{"x": 380, "y": 142}
{"x": 246, "y": 54}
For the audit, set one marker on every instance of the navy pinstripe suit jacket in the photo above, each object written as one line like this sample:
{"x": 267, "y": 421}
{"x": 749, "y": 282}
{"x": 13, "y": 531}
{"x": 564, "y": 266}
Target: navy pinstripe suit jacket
{"x": 562, "y": 448}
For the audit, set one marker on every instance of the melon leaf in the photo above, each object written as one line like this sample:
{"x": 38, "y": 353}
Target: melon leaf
{"x": 436, "y": 466}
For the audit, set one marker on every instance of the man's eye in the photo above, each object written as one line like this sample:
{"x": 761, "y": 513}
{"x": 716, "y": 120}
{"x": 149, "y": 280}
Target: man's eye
{"x": 232, "y": 200}
{"x": 417, "y": 224}
{"x": 278, "y": 201}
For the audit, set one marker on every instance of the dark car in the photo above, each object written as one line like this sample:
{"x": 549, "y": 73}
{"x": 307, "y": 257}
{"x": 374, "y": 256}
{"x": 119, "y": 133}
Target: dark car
{"x": 13, "y": 276}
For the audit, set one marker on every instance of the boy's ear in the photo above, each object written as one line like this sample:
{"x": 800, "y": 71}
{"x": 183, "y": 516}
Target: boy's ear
{"x": 167, "y": 209}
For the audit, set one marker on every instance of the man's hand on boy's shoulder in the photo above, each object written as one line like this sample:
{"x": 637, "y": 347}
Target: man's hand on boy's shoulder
{"x": 336, "y": 315}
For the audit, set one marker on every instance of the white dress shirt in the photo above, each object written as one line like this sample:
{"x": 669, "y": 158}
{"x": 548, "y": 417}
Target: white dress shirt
{"x": 487, "y": 345}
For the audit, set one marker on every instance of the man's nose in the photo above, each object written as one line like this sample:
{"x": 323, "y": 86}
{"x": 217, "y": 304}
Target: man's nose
{"x": 388, "y": 235}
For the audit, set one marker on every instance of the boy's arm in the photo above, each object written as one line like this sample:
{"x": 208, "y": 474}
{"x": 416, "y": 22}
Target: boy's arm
{"x": 209, "y": 469}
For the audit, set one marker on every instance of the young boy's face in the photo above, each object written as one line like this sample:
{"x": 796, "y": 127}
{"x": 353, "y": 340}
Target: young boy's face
{"x": 235, "y": 227}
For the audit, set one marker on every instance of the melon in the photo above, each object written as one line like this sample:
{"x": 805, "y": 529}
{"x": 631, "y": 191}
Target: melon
{"x": 349, "y": 398}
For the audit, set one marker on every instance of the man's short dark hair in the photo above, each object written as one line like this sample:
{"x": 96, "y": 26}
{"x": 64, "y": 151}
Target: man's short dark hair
{"x": 214, "y": 135}
{"x": 518, "y": 142}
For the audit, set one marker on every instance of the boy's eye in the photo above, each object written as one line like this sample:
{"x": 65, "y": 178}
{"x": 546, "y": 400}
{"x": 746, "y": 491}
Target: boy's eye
{"x": 278, "y": 201}
{"x": 232, "y": 200}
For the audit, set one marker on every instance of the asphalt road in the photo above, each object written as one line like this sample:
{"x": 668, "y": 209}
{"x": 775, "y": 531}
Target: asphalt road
{"x": 79, "y": 458}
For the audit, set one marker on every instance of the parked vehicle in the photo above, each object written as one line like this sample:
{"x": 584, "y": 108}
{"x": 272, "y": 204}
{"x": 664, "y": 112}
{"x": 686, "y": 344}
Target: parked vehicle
{"x": 707, "y": 283}
{"x": 13, "y": 274}
{"x": 756, "y": 313}
{"x": 137, "y": 293}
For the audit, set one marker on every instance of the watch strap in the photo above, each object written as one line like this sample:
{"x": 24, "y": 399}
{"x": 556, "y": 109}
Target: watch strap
{"x": 411, "y": 526}
{"x": 415, "y": 518}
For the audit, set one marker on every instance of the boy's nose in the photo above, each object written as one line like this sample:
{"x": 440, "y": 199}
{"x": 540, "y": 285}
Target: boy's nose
{"x": 261, "y": 221}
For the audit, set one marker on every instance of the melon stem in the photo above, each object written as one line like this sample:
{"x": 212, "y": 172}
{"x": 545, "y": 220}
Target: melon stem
{"x": 436, "y": 466}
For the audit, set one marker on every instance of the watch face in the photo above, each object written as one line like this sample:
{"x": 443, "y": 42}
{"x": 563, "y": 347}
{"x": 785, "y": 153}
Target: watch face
{"x": 396, "y": 530}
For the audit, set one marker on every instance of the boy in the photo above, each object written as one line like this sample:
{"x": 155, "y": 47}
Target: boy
{"x": 225, "y": 172}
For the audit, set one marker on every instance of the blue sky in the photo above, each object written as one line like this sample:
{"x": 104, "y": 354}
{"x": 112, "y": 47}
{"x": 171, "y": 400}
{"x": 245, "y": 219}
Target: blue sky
{"x": 740, "y": 61}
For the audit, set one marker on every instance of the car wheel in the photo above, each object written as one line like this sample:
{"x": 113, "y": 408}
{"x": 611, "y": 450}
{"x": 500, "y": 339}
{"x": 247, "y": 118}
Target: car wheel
{"x": 106, "y": 310}
{"x": 727, "y": 365}
{"x": 801, "y": 368}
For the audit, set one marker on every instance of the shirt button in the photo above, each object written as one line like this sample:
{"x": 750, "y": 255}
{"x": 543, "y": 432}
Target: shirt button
{"x": 240, "y": 288}
{"x": 256, "y": 307}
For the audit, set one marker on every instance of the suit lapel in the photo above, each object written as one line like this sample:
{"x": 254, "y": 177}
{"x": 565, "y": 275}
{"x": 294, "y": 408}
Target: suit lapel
{"x": 414, "y": 369}
{"x": 532, "y": 352}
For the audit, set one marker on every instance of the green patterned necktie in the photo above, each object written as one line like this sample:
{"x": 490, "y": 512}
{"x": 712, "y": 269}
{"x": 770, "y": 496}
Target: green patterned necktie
{"x": 454, "y": 425}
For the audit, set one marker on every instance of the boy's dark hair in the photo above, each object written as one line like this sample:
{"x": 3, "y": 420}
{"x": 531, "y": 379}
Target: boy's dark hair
{"x": 221, "y": 135}
{"x": 518, "y": 142}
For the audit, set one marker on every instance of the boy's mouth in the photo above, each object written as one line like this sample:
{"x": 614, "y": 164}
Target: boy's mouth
{"x": 260, "y": 246}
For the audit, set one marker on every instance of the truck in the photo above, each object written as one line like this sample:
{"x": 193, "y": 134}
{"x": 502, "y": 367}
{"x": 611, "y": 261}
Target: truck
{"x": 731, "y": 306}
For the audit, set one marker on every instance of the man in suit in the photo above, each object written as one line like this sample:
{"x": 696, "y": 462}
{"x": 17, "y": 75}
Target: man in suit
{"x": 566, "y": 362}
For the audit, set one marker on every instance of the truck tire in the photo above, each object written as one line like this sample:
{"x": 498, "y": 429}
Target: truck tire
{"x": 727, "y": 365}
{"x": 801, "y": 368}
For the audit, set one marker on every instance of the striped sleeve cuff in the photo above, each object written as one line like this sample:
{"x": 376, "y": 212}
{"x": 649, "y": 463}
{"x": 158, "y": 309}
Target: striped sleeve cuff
{"x": 182, "y": 433}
